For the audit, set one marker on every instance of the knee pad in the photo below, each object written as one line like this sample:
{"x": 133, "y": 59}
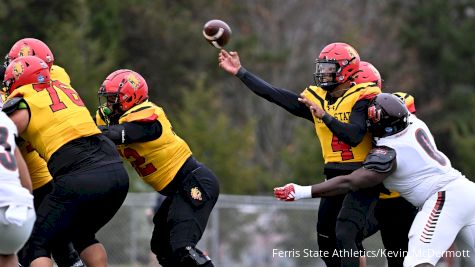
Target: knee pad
{"x": 191, "y": 256}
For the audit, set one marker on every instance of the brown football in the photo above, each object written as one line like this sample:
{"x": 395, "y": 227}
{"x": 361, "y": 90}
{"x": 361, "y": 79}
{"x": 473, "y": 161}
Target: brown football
{"x": 217, "y": 33}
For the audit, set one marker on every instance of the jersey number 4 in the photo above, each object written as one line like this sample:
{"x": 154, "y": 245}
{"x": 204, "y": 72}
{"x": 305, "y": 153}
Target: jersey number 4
{"x": 6, "y": 158}
{"x": 345, "y": 149}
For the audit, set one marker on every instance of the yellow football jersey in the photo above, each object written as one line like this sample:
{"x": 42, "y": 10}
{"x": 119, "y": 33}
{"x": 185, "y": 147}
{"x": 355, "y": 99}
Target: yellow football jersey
{"x": 59, "y": 74}
{"x": 334, "y": 150}
{"x": 58, "y": 116}
{"x": 159, "y": 160}
{"x": 36, "y": 165}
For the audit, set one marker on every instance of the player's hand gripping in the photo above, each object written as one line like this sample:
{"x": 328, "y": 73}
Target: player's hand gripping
{"x": 314, "y": 108}
{"x": 229, "y": 61}
{"x": 292, "y": 192}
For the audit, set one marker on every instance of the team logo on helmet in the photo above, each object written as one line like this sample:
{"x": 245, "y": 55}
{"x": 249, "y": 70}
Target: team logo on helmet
{"x": 24, "y": 51}
{"x": 196, "y": 193}
{"x": 133, "y": 81}
{"x": 374, "y": 114}
{"x": 18, "y": 70}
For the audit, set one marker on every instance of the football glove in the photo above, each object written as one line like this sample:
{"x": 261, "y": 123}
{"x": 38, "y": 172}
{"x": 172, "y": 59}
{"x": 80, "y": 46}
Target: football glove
{"x": 292, "y": 192}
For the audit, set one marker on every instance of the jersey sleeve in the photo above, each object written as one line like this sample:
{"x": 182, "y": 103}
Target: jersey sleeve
{"x": 145, "y": 114}
{"x": 380, "y": 159}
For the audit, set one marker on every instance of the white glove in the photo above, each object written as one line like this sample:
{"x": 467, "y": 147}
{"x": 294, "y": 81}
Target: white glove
{"x": 291, "y": 192}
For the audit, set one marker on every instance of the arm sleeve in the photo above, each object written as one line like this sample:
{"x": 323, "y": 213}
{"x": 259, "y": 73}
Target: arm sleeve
{"x": 283, "y": 98}
{"x": 353, "y": 132}
{"x": 132, "y": 132}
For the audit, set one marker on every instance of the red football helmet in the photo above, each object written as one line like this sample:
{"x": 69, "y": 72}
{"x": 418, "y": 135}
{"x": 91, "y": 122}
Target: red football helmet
{"x": 335, "y": 65}
{"x": 367, "y": 73}
{"x": 25, "y": 70}
{"x": 122, "y": 90}
{"x": 31, "y": 47}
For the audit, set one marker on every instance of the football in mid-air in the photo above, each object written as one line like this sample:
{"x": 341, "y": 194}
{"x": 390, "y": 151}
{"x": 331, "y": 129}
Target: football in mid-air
{"x": 217, "y": 33}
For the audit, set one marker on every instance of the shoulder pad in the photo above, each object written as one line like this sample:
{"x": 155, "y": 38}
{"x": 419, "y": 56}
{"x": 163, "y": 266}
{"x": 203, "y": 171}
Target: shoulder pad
{"x": 143, "y": 113}
{"x": 380, "y": 159}
{"x": 13, "y": 104}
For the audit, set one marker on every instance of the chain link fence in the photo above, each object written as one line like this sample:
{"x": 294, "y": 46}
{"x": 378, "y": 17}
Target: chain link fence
{"x": 242, "y": 231}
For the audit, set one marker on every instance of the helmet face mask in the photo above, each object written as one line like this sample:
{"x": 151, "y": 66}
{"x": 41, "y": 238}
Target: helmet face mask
{"x": 325, "y": 73}
{"x": 387, "y": 115}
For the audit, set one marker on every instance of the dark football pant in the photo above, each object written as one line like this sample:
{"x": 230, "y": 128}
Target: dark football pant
{"x": 327, "y": 213}
{"x": 395, "y": 217}
{"x": 81, "y": 203}
{"x": 181, "y": 219}
{"x": 349, "y": 231}
{"x": 351, "y": 225}
{"x": 64, "y": 254}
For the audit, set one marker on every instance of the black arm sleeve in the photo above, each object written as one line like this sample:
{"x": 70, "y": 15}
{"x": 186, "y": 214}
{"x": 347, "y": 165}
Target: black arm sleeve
{"x": 353, "y": 132}
{"x": 283, "y": 98}
{"x": 132, "y": 132}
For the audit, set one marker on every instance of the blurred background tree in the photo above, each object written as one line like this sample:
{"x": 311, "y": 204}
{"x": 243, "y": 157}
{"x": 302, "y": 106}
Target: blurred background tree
{"x": 421, "y": 47}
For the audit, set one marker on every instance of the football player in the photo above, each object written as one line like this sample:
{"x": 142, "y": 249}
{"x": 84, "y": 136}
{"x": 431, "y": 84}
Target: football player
{"x": 340, "y": 125}
{"x": 89, "y": 178}
{"x": 17, "y": 214}
{"x": 144, "y": 136}
{"x": 406, "y": 159}
{"x": 393, "y": 213}
{"x": 63, "y": 254}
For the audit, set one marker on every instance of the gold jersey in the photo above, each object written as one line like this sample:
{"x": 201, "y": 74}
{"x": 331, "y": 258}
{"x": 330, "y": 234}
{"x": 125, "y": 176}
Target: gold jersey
{"x": 36, "y": 166}
{"x": 159, "y": 160}
{"x": 59, "y": 74}
{"x": 334, "y": 150}
{"x": 58, "y": 116}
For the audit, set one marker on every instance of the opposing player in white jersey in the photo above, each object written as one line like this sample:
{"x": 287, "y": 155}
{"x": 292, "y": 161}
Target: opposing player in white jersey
{"x": 17, "y": 214}
{"x": 406, "y": 160}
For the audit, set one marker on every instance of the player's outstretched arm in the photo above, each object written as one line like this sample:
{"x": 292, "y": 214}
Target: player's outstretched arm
{"x": 360, "y": 178}
{"x": 230, "y": 62}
